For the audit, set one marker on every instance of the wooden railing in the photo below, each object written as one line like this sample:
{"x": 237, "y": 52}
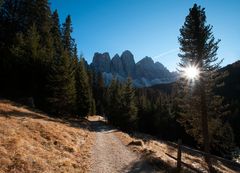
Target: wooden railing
{"x": 181, "y": 148}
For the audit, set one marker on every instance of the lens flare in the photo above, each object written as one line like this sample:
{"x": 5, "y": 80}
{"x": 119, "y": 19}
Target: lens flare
{"x": 191, "y": 72}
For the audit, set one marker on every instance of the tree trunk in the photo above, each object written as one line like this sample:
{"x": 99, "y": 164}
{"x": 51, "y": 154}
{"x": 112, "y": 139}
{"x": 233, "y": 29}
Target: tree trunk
{"x": 179, "y": 156}
{"x": 205, "y": 132}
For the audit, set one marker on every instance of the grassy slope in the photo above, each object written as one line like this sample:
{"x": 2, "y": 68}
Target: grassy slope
{"x": 33, "y": 142}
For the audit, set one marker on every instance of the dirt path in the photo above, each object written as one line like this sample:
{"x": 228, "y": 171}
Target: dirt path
{"x": 109, "y": 155}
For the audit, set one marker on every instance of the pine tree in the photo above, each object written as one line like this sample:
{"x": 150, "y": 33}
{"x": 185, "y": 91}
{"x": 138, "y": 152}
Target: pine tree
{"x": 144, "y": 112}
{"x": 75, "y": 58}
{"x": 40, "y": 14}
{"x": 84, "y": 100}
{"x": 121, "y": 107}
{"x": 90, "y": 82}
{"x": 37, "y": 12}
{"x": 29, "y": 55}
{"x": 128, "y": 107}
{"x": 33, "y": 61}
{"x": 56, "y": 34}
{"x": 99, "y": 92}
{"x": 68, "y": 41}
{"x": 60, "y": 76}
{"x": 198, "y": 102}
{"x": 61, "y": 86}
{"x": 113, "y": 103}
{"x": 69, "y": 44}
{"x": 93, "y": 107}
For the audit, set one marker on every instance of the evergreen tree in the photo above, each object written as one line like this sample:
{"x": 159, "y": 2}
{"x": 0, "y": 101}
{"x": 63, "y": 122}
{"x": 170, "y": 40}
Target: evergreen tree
{"x": 69, "y": 44}
{"x": 93, "y": 107}
{"x": 29, "y": 55}
{"x": 84, "y": 100}
{"x": 145, "y": 113}
{"x": 98, "y": 92}
{"x": 92, "y": 99}
{"x": 39, "y": 12}
{"x": 68, "y": 41}
{"x": 75, "y": 58}
{"x": 61, "y": 79}
{"x": 128, "y": 107}
{"x": 56, "y": 34}
{"x": 16, "y": 20}
{"x": 198, "y": 103}
{"x": 113, "y": 102}
{"x": 61, "y": 86}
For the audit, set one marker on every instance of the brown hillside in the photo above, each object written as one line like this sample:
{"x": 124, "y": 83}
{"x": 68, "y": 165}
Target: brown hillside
{"x": 33, "y": 142}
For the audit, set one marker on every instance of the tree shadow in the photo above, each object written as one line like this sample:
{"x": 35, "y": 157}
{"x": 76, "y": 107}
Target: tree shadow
{"x": 101, "y": 126}
{"x": 149, "y": 164}
{"x": 36, "y": 114}
{"x": 170, "y": 151}
{"x": 76, "y": 122}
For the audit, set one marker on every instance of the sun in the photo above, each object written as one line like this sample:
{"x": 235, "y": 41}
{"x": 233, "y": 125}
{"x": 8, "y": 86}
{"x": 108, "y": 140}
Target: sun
{"x": 191, "y": 72}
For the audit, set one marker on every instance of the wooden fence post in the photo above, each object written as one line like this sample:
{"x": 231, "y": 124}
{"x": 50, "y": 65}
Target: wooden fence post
{"x": 179, "y": 155}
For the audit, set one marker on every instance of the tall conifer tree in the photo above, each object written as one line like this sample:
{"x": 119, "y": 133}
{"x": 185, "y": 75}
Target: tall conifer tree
{"x": 84, "y": 101}
{"x": 68, "y": 41}
{"x": 61, "y": 78}
{"x": 128, "y": 106}
{"x": 198, "y": 103}
{"x": 61, "y": 86}
{"x": 56, "y": 34}
{"x": 28, "y": 55}
{"x": 114, "y": 101}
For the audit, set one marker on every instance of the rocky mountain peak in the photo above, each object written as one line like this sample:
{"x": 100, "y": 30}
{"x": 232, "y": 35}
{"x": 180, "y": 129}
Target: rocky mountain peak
{"x": 144, "y": 73}
{"x": 116, "y": 56}
{"x": 117, "y": 66}
{"x": 128, "y": 63}
{"x": 101, "y": 62}
{"x": 146, "y": 61}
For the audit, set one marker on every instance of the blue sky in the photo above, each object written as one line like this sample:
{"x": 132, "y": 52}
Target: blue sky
{"x": 147, "y": 27}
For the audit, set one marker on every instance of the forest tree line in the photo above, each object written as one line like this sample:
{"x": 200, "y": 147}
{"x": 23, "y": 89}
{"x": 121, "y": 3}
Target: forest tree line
{"x": 39, "y": 60}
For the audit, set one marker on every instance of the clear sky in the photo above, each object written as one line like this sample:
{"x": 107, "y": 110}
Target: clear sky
{"x": 147, "y": 27}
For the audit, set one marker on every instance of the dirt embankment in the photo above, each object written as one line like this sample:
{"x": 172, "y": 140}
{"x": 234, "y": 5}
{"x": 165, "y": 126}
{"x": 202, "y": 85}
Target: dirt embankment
{"x": 32, "y": 142}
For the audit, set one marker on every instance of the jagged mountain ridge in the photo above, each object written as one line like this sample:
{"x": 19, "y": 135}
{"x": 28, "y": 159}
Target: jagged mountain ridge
{"x": 144, "y": 73}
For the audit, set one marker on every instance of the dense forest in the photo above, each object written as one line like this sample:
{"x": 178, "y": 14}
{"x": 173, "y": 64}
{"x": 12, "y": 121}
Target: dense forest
{"x": 39, "y": 63}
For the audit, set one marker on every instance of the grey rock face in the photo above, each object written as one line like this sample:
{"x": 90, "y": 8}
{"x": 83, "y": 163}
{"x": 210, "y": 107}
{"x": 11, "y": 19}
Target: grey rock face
{"x": 117, "y": 66}
{"x": 128, "y": 62}
{"x": 144, "y": 73}
{"x": 149, "y": 70}
{"x": 146, "y": 68}
{"x": 101, "y": 62}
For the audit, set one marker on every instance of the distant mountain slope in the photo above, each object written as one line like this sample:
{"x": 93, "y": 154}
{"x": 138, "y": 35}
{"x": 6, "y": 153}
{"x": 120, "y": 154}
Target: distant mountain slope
{"x": 144, "y": 73}
{"x": 231, "y": 93}
{"x": 231, "y": 89}
{"x": 164, "y": 88}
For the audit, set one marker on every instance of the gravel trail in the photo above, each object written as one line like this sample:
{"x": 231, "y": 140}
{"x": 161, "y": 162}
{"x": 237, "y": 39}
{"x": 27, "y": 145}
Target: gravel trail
{"x": 109, "y": 155}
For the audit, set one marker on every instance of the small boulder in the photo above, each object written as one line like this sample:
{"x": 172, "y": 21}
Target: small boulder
{"x": 137, "y": 143}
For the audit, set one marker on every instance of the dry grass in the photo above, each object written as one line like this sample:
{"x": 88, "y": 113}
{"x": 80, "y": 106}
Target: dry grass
{"x": 33, "y": 142}
{"x": 160, "y": 152}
